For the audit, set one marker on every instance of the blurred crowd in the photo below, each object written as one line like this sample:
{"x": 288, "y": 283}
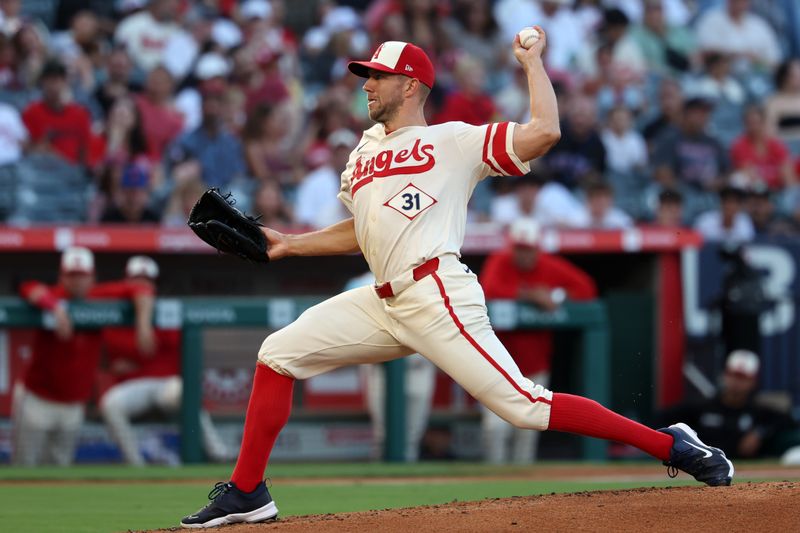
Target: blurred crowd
{"x": 675, "y": 112}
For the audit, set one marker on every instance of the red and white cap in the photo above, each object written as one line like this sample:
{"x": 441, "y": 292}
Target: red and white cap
{"x": 77, "y": 259}
{"x": 743, "y": 363}
{"x": 397, "y": 57}
{"x": 525, "y": 232}
{"x": 141, "y": 265}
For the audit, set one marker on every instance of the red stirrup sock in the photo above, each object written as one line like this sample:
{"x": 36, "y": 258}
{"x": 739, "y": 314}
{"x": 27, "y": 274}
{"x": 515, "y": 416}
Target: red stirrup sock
{"x": 575, "y": 414}
{"x": 267, "y": 413}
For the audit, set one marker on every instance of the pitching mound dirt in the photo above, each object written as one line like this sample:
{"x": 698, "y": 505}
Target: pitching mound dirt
{"x": 744, "y": 507}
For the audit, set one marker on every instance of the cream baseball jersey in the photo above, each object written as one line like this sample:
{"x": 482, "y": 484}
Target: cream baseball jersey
{"x": 408, "y": 190}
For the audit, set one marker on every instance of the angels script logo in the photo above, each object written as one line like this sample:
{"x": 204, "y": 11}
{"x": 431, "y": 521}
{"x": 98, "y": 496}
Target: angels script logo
{"x": 417, "y": 160}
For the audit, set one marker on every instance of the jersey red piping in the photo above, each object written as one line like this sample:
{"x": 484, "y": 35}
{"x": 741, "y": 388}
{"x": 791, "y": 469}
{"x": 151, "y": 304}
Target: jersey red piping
{"x": 478, "y": 347}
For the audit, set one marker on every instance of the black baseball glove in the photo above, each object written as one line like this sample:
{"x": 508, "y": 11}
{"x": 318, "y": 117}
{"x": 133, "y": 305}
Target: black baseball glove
{"x": 217, "y": 222}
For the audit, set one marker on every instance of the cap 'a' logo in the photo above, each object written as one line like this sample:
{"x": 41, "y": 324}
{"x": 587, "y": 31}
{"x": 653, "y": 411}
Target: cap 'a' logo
{"x": 377, "y": 52}
{"x": 409, "y": 69}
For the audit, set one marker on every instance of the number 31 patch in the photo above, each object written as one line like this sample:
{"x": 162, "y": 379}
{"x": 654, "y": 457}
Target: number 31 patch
{"x": 411, "y": 201}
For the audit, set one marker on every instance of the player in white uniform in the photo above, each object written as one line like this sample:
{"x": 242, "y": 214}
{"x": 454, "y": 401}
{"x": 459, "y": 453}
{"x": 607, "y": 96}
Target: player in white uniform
{"x": 152, "y": 383}
{"x": 407, "y": 185}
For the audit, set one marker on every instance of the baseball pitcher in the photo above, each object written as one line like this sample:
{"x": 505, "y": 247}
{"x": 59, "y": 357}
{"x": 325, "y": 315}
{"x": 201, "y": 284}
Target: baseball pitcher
{"x": 407, "y": 185}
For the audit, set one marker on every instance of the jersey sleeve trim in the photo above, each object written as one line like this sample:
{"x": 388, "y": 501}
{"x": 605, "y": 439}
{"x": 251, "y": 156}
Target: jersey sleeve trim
{"x": 486, "y": 149}
{"x": 498, "y": 150}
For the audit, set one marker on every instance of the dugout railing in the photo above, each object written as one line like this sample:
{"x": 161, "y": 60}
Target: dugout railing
{"x": 192, "y": 315}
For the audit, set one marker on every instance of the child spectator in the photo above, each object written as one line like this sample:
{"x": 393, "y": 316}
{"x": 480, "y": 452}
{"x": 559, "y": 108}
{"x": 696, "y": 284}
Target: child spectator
{"x": 669, "y": 212}
{"x": 599, "y": 211}
{"x": 626, "y": 151}
{"x": 730, "y": 223}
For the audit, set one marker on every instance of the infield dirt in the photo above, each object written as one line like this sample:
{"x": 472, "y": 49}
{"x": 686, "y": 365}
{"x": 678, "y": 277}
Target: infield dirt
{"x": 750, "y": 507}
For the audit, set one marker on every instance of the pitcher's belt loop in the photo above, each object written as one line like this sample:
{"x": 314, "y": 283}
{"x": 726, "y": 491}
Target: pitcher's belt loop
{"x": 385, "y": 290}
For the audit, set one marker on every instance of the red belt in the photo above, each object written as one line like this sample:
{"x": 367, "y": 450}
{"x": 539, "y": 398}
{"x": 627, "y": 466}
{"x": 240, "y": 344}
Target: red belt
{"x": 384, "y": 290}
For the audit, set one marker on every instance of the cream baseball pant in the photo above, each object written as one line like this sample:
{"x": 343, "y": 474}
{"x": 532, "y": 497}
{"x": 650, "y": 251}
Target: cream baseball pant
{"x": 45, "y": 432}
{"x": 442, "y": 316}
{"x": 420, "y": 379}
{"x": 504, "y": 443}
{"x": 134, "y": 397}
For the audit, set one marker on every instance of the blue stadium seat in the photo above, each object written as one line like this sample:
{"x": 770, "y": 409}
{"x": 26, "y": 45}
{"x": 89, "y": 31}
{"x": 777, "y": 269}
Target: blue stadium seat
{"x": 49, "y": 189}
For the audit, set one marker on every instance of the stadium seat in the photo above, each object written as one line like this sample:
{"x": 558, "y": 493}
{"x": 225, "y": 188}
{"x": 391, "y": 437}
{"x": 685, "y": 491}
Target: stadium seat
{"x": 49, "y": 190}
{"x": 8, "y": 187}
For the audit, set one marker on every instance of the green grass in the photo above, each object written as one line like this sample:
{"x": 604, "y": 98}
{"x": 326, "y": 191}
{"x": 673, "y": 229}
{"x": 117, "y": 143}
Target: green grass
{"x": 301, "y": 470}
{"x": 118, "y": 507}
{"x": 304, "y": 470}
{"x": 157, "y": 497}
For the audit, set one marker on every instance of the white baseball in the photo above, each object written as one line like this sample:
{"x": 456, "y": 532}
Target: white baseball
{"x": 528, "y": 36}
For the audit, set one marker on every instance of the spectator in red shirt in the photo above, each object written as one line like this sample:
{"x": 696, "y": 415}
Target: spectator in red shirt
{"x": 762, "y": 157}
{"x": 146, "y": 380}
{"x": 55, "y": 124}
{"x": 524, "y": 273}
{"x": 468, "y": 102}
{"x": 161, "y": 121}
{"x": 60, "y": 378}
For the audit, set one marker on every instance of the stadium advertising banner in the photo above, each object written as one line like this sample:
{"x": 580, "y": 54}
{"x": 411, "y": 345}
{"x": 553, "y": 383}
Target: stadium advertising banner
{"x": 746, "y": 297}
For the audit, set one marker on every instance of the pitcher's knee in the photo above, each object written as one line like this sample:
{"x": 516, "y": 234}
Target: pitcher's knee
{"x": 530, "y": 417}
{"x": 526, "y": 421}
{"x": 273, "y": 364}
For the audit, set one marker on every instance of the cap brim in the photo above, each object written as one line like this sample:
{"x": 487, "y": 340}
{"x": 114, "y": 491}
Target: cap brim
{"x": 741, "y": 374}
{"x": 77, "y": 271}
{"x": 361, "y": 68}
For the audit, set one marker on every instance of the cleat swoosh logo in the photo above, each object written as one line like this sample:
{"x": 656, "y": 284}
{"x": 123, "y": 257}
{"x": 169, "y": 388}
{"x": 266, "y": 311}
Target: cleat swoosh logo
{"x": 706, "y": 452}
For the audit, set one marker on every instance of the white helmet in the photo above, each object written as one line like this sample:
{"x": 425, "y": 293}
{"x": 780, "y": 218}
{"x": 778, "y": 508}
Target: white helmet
{"x": 141, "y": 265}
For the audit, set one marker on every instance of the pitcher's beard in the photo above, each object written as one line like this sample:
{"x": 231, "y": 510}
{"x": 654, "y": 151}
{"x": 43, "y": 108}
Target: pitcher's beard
{"x": 384, "y": 113}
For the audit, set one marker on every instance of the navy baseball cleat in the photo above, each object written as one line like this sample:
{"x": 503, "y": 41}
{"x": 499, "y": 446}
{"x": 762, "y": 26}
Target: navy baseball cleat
{"x": 230, "y": 505}
{"x": 705, "y": 463}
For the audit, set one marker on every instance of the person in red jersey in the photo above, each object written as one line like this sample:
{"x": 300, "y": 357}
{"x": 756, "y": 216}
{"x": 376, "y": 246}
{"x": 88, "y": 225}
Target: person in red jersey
{"x": 55, "y": 124}
{"x": 522, "y": 272}
{"x": 60, "y": 378}
{"x": 146, "y": 380}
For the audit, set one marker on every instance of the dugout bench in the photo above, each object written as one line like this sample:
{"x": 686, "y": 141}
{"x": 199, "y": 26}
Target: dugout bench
{"x": 192, "y": 315}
